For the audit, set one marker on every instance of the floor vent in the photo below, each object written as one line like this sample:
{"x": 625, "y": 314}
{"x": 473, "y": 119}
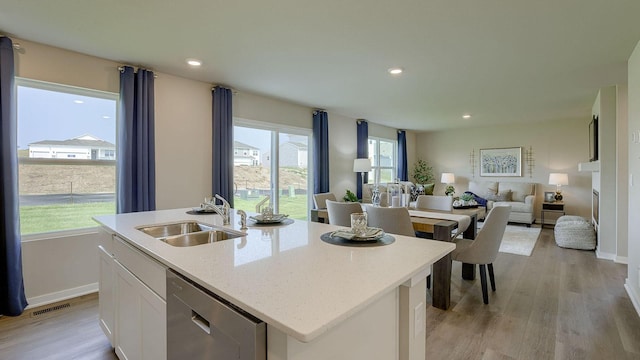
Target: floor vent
{"x": 50, "y": 309}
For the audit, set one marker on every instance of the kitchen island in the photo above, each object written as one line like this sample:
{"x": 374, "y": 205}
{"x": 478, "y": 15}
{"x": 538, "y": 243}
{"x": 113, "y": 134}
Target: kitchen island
{"x": 318, "y": 300}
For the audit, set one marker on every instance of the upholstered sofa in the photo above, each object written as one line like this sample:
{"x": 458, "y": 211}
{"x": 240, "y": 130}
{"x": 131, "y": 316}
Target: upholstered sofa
{"x": 520, "y": 195}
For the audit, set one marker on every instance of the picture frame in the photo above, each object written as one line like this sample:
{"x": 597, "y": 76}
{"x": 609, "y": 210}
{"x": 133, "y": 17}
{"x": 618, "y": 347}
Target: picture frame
{"x": 501, "y": 162}
{"x": 549, "y": 196}
{"x": 593, "y": 139}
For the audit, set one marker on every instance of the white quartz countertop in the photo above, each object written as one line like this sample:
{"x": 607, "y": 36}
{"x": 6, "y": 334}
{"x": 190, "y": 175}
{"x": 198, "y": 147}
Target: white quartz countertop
{"x": 285, "y": 275}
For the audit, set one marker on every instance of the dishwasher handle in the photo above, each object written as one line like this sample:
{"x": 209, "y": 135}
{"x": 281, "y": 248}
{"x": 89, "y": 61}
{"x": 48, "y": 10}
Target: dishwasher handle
{"x": 201, "y": 322}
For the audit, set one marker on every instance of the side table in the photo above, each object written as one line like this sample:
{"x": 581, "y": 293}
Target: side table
{"x": 552, "y": 207}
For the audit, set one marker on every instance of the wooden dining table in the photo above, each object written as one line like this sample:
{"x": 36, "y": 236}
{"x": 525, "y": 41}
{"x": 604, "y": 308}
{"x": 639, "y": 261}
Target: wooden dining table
{"x": 430, "y": 226}
{"x": 439, "y": 229}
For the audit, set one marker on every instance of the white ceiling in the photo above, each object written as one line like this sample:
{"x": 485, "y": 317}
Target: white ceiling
{"x": 501, "y": 61}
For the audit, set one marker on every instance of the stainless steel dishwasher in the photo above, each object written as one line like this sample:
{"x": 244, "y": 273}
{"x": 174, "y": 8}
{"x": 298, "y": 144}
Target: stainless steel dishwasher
{"x": 201, "y": 325}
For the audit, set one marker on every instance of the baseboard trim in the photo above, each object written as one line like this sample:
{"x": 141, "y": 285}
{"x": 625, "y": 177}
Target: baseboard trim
{"x": 605, "y": 256}
{"x": 635, "y": 299}
{"x": 622, "y": 260}
{"x": 61, "y": 295}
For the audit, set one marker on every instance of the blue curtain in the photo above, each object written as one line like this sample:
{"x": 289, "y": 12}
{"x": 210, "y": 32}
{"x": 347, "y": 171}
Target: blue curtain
{"x": 403, "y": 171}
{"x": 136, "y": 142}
{"x": 12, "y": 300}
{"x": 362, "y": 151}
{"x": 320, "y": 152}
{"x": 222, "y": 140}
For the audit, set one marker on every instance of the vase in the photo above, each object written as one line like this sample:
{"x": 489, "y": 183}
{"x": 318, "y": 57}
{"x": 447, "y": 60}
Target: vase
{"x": 375, "y": 196}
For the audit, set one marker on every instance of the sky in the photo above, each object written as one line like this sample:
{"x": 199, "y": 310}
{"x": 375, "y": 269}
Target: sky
{"x": 52, "y": 115}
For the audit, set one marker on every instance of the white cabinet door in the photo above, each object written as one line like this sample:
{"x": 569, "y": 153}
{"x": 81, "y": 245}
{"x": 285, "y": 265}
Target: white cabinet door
{"x": 153, "y": 326}
{"x": 141, "y": 319}
{"x": 107, "y": 305}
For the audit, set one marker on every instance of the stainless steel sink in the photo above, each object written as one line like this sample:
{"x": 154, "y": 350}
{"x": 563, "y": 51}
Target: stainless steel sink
{"x": 202, "y": 237}
{"x": 189, "y": 233}
{"x": 164, "y": 230}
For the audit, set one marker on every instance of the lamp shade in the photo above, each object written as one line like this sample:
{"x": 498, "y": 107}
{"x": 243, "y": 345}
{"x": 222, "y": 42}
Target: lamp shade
{"x": 558, "y": 179}
{"x": 361, "y": 165}
{"x": 448, "y": 178}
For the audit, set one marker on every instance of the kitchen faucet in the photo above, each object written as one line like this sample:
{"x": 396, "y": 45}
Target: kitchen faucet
{"x": 223, "y": 210}
{"x": 243, "y": 220}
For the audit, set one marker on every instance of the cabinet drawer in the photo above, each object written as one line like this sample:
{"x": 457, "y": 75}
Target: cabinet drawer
{"x": 149, "y": 271}
{"x": 105, "y": 240}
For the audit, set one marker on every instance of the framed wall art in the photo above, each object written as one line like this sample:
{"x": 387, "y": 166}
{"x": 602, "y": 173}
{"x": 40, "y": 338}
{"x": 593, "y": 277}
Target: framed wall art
{"x": 549, "y": 196}
{"x": 501, "y": 162}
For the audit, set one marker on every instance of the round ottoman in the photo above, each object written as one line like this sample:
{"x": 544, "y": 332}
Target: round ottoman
{"x": 574, "y": 232}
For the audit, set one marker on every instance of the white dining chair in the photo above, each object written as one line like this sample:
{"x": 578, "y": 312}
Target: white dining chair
{"x": 340, "y": 212}
{"x": 320, "y": 200}
{"x": 391, "y": 220}
{"x": 484, "y": 248}
{"x": 435, "y": 202}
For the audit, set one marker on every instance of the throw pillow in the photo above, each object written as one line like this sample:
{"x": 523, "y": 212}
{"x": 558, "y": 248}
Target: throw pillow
{"x": 428, "y": 189}
{"x": 500, "y": 196}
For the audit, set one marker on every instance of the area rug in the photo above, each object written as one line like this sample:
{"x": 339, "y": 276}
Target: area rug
{"x": 518, "y": 239}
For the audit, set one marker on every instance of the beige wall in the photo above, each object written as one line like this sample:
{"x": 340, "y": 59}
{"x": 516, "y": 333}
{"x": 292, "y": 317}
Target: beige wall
{"x": 183, "y": 110}
{"x": 633, "y": 278}
{"x": 558, "y": 146}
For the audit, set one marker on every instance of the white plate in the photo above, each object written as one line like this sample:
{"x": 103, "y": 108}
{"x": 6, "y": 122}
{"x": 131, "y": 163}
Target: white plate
{"x": 275, "y": 218}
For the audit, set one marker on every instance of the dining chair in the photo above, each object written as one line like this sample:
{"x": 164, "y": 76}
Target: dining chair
{"x": 484, "y": 248}
{"x": 435, "y": 202}
{"x": 319, "y": 200}
{"x": 340, "y": 212}
{"x": 393, "y": 220}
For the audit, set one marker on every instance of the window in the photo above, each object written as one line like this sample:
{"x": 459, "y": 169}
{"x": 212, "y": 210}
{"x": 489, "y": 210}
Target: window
{"x": 66, "y": 156}
{"x": 383, "y": 157}
{"x": 279, "y": 174}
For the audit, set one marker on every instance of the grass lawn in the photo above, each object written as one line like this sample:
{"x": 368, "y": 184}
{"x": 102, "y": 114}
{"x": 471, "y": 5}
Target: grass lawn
{"x": 295, "y": 207}
{"x": 45, "y": 218}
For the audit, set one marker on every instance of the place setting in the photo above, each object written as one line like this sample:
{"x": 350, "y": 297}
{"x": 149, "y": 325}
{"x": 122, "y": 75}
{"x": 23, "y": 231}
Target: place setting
{"x": 359, "y": 234}
{"x": 268, "y": 218}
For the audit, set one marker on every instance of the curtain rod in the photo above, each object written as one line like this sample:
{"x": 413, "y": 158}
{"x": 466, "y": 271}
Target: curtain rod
{"x": 121, "y": 69}
{"x": 16, "y": 45}
{"x": 233, "y": 91}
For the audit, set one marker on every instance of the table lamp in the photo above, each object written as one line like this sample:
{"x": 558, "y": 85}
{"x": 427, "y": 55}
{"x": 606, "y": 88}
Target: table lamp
{"x": 558, "y": 179}
{"x": 361, "y": 166}
{"x": 448, "y": 178}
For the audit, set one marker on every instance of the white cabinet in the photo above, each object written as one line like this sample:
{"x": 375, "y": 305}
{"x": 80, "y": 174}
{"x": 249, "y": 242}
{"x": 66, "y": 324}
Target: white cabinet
{"x": 141, "y": 319}
{"x": 107, "y": 305}
{"x": 132, "y": 301}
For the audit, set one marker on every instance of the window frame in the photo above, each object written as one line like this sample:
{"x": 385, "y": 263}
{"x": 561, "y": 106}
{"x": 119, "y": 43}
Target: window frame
{"x": 73, "y": 90}
{"x": 375, "y": 167}
{"x": 273, "y": 156}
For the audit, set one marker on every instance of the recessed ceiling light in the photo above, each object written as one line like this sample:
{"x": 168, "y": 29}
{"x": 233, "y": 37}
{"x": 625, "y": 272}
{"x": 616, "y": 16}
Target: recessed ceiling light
{"x": 78, "y": 101}
{"x": 194, "y": 62}
{"x": 106, "y": 117}
{"x": 395, "y": 71}
{"x": 466, "y": 116}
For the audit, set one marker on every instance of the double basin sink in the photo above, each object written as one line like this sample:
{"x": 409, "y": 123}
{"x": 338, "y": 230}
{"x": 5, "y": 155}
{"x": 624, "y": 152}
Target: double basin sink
{"x": 189, "y": 233}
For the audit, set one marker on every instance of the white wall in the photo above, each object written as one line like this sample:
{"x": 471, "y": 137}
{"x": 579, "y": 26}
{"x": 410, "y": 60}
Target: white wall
{"x": 606, "y": 112}
{"x": 558, "y": 146}
{"x": 622, "y": 168}
{"x": 633, "y": 278}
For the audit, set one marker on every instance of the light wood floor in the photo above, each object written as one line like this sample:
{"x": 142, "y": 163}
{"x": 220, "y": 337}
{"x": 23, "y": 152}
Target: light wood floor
{"x": 555, "y": 304}
{"x": 69, "y": 333}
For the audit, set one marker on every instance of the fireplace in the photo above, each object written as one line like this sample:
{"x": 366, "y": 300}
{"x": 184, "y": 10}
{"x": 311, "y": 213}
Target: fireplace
{"x": 595, "y": 207}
